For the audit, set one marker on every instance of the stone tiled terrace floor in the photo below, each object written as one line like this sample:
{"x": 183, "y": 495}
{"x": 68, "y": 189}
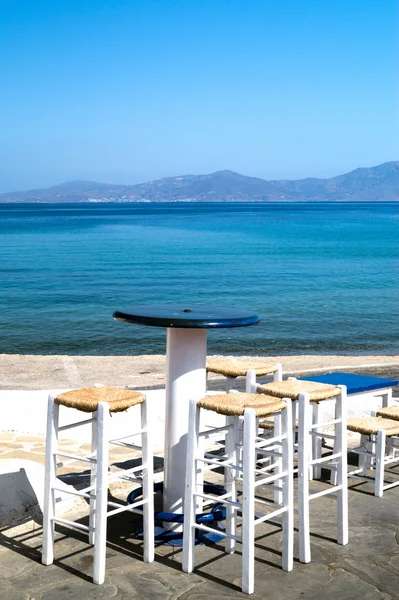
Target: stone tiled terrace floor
{"x": 367, "y": 568}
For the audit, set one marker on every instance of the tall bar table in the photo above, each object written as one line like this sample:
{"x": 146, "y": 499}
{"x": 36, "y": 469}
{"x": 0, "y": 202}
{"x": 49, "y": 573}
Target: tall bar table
{"x": 185, "y": 375}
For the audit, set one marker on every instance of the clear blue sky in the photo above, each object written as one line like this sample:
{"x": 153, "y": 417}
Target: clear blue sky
{"x": 127, "y": 91}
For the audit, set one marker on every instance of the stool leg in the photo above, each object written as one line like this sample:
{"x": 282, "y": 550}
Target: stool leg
{"x": 101, "y": 492}
{"x": 379, "y": 467}
{"x": 387, "y": 399}
{"x": 230, "y": 482}
{"x": 250, "y": 381}
{"x": 248, "y": 502}
{"x": 230, "y": 383}
{"x": 191, "y": 486}
{"x": 316, "y": 441}
{"x": 303, "y": 477}
{"x": 294, "y": 426}
{"x": 288, "y": 488}
{"x": 93, "y": 480}
{"x": 342, "y": 467}
{"x": 50, "y": 479}
{"x": 148, "y": 484}
{"x": 363, "y": 459}
{"x": 278, "y": 494}
{"x": 278, "y": 375}
{"x": 333, "y": 473}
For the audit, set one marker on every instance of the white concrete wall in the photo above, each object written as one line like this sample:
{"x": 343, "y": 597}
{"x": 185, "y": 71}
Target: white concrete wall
{"x": 26, "y": 412}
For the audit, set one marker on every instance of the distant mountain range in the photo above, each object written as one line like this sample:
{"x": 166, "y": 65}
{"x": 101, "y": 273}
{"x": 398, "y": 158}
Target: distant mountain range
{"x": 380, "y": 183}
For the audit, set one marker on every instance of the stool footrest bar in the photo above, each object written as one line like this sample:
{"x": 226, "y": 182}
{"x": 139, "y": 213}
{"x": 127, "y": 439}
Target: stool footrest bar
{"x": 130, "y": 507}
{"x": 390, "y": 485}
{"x": 74, "y": 457}
{"x": 75, "y": 493}
{"x": 139, "y": 432}
{"x": 326, "y": 492}
{"x": 203, "y": 527}
{"x": 214, "y": 432}
{"x": 72, "y": 524}
{"x": 318, "y": 461}
{"x": 274, "y": 440}
{"x": 270, "y": 479}
{"x": 126, "y": 445}
{"x": 271, "y": 515}
{"x": 217, "y": 499}
{"x": 78, "y": 424}
{"x": 326, "y": 424}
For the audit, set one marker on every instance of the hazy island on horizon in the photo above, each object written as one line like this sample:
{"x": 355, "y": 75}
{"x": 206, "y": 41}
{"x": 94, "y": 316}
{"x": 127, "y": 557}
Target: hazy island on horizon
{"x": 379, "y": 183}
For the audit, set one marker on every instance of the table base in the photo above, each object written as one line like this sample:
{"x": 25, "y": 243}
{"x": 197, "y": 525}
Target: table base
{"x": 175, "y": 538}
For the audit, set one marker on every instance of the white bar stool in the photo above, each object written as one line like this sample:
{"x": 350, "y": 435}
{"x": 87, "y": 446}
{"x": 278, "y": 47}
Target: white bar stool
{"x": 101, "y": 402}
{"x": 231, "y": 368}
{"x": 382, "y": 449}
{"x": 307, "y": 395}
{"x": 242, "y": 411}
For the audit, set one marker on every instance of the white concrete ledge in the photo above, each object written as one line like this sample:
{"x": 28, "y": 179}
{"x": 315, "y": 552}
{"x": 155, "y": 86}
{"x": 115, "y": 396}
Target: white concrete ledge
{"x": 22, "y": 490}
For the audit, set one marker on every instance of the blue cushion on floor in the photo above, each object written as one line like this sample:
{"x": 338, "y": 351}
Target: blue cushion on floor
{"x": 354, "y": 383}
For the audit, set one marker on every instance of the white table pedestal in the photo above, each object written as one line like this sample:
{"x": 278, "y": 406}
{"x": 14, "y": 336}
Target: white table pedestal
{"x": 185, "y": 379}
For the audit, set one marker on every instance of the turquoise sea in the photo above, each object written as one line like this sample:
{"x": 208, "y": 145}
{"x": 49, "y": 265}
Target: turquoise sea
{"x": 324, "y": 277}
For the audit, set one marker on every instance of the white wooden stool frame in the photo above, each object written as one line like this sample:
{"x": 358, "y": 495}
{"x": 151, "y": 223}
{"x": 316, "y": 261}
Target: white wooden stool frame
{"x": 241, "y": 437}
{"x": 231, "y": 381}
{"x": 97, "y": 491}
{"x": 366, "y": 459}
{"x": 309, "y": 457}
{"x": 307, "y": 428}
{"x": 374, "y": 452}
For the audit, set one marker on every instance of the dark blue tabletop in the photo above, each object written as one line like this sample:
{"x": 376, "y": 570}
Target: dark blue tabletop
{"x": 354, "y": 383}
{"x": 187, "y": 316}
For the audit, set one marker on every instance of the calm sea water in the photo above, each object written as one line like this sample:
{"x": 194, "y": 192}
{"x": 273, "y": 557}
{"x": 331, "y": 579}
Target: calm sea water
{"x": 324, "y": 277}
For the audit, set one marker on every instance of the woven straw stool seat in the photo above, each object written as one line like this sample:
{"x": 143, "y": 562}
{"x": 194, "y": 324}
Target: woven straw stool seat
{"x": 87, "y": 399}
{"x": 291, "y": 388}
{"x": 371, "y": 425}
{"x": 235, "y": 404}
{"x": 231, "y": 367}
{"x": 374, "y": 451}
{"x": 390, "y": 412}
{"x": 270, "y": 424}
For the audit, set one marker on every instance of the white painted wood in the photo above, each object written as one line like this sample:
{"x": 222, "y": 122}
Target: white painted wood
{"x": 363, "y": 458}
{"x": 93, "y": 480}
{"x": 230, "y": 384}
{"x": 230, "y": 482}
{"x": 333, "y": 473}
{"x": 387, "y": 398}
{"x": 191, "y": 486}
{"x": 379, "y": 468}
{"x": 342, "y": 467}
{"x": 316, "y": 441}
{"x": 148, "y": 483}
{"x": 249, "y": 445}
{"x": 278, "y": 375}
{"x": 248, "y": 504}
{"x": 103, "y": 417}
{"x": 185, "y": 379}
{"x": 288, "y": 488}
{"x": 50, "y": 481}
{"x": 250, "y": 381}
{"x": 278, "y": 462}
{"x": 303, "y": 477}
{"x": 294, "y": 420}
